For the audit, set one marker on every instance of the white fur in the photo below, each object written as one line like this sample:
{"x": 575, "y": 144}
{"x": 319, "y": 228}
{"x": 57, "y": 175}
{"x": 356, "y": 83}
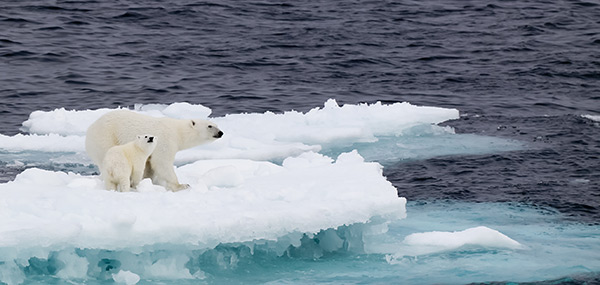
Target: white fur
{"x": 173, "y": 135}
{"x": 123, "y": 165}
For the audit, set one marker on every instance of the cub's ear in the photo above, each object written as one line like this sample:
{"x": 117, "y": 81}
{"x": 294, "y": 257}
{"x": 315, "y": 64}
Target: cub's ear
{"x": 192, "y": 123}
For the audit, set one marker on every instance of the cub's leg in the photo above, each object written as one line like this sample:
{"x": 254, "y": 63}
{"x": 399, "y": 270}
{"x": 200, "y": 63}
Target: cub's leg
{"x": 136, "y": 176}
{"x": 124, "y": 183}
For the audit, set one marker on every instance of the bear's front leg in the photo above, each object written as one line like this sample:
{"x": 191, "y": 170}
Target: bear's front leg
{"x": 109, "y": 185}
{"x": 164, "y": 174}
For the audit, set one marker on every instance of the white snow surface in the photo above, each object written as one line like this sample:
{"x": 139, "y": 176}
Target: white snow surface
{"x": 266, "y": 136}
{"x": 229, "y": 201}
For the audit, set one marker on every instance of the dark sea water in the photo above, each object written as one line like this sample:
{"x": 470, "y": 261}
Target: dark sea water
{"x": 524, "y": 70}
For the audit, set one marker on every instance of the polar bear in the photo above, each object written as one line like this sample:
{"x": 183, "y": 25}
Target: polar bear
{"x": 121, "y": 126}
{"x": 123, "y": 165}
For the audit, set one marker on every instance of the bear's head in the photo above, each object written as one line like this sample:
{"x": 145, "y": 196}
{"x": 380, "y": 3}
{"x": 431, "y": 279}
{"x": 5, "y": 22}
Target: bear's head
{"x": 204, "y": 131}
{"x": 146, "y": 142}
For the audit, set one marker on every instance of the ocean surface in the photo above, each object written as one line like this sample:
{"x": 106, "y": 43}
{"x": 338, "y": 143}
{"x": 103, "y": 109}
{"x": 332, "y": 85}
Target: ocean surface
{"x": 526, "y": 71}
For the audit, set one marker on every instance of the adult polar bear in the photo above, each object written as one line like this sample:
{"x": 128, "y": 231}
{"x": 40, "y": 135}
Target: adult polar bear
{"x": 122, "y": 126}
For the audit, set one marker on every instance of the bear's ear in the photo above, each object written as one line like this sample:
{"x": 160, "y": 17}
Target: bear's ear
{"x": 192, "y": 123}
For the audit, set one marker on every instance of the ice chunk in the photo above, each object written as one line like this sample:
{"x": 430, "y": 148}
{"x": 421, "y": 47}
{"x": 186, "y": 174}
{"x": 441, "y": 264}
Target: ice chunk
{"x": 126, "y": 277}
{"x": 333, "y": 123}
{"x": 481, "y": 236}
{"x": 329, "y": 240}
{"x": 11, "y": 273}
{"x": 437, "y": 241}
{"x": 595, "y": 118}
{"x": 73, "y": 265}
{"x": 179, "y": 110}
{"x": 185, "y": 110}
{"x": 47, "y": 143}
{"x": 172, "y": 267}
{"x": 62, "y": 121}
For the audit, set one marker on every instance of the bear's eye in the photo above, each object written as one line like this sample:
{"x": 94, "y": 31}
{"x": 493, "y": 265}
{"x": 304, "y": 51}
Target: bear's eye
{"x": 210, "y": 127}
{"x": 193, "y": 123}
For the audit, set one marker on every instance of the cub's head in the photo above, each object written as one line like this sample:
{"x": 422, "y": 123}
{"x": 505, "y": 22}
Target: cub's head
{"x": 146, "y": 142}
{"x": 204, "y": 131}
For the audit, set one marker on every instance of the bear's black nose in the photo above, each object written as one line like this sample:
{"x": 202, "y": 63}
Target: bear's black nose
{"x": 150, "y": 139}
{"x": 219, "y": 134}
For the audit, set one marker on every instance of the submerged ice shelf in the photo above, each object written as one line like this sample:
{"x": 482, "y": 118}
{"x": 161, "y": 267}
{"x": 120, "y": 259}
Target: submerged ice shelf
{"x": 292, "y": 185}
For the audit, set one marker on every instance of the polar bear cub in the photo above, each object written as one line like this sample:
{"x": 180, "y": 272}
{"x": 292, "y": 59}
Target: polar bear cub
{"x": 123, "y": 165}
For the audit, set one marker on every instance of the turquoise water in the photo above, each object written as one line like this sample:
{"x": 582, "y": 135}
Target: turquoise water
{"x": 424, "y": 142}
{"x": 357, "y": 254}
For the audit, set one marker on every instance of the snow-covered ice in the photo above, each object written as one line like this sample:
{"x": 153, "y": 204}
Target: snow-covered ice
{"x": 383, "y": 133}
{"x": 436, "y": 241}
{"x": 229, "y": 201}
{"x": 266, "y": 136}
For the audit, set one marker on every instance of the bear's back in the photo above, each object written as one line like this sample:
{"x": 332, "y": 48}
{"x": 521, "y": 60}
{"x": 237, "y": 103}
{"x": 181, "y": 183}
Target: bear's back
{"x": 125, "y": 125}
